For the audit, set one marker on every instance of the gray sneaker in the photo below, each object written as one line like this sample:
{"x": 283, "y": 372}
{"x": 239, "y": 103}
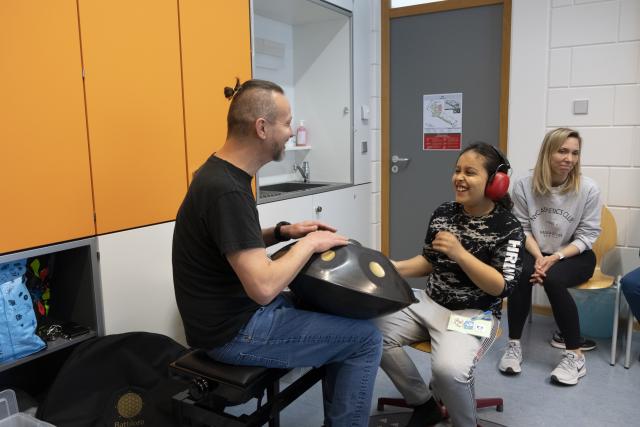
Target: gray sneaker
{"x": 570, "y": 369}
{"x": 511, "y": 359}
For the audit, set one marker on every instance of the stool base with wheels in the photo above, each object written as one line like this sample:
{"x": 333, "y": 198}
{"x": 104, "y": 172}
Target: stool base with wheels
{"x": 487, "y": 402}
{"x": 425, "y": 346}
{"x": 215, "y": 386}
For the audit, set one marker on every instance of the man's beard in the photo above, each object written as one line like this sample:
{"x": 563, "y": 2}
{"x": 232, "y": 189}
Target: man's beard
{"x": 278, "y": 153}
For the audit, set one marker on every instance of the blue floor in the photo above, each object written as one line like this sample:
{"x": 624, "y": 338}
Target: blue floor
{"x": 606, "y": 396}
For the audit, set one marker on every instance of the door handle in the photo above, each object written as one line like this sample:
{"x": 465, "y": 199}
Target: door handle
{"x": 397, "y": 162}
{"x": 397, "y": 159}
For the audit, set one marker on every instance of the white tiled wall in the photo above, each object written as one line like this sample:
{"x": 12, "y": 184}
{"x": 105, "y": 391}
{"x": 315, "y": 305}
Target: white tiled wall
{"x": 614, "y": 63}
{"x": 584, "y": 24}
{"x": 586, "y": 1}
{"x": 560, "y": 106}
{"x": 374, "y": 122}
{"x": 633, "y": 233}
{"x": 361, "y": 89}
{"x": 587, "y": 49}
{"x": 627, "y": 105}
{"x": 559, "y": 67}
{"x": 629, "y": 20}
{"x": 635, "y": 147}
{"x": 593, "y": 53}
{"x": 621, "y": 216}
{"x": 601, "y": 176}
{"x": 623, "y": 187}
{"x": 608, "y": 146}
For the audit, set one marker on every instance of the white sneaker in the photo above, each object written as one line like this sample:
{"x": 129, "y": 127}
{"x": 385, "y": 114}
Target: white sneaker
{"x": 570, "y": 369}
{"x": 512, "y": 358}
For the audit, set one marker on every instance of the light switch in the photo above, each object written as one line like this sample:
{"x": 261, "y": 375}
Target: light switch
{"x": 364, "y": 112}
{"x": 581, "y": 106}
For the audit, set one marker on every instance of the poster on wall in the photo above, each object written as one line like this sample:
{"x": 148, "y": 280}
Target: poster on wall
{"x": 442, "y": 121}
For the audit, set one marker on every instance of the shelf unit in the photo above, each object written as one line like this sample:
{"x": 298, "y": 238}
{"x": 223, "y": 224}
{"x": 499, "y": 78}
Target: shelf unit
{"x": 76, "y": 296}
{"x": 298, "y": 148}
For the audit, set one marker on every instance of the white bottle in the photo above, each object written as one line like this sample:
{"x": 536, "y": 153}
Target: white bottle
{"x": 301, "y": 134}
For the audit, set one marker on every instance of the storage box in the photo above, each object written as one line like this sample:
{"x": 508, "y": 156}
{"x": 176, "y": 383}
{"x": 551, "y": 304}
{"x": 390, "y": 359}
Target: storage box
{"x": 9, "y": 415}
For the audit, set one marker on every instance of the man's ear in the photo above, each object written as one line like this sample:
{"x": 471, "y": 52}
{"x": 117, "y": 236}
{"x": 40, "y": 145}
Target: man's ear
{"x": 261, "y": 125}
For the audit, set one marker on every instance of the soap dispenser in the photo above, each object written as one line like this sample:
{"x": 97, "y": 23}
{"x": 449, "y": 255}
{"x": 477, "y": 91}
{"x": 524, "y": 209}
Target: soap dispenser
{"x": 301, "y": 134}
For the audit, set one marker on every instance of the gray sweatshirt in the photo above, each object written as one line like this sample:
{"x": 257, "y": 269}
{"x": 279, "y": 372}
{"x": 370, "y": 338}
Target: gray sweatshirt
{"x": 556, "y": 220}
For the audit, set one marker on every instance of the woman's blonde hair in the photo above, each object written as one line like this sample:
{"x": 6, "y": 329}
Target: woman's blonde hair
{"x": 552, "y": 142}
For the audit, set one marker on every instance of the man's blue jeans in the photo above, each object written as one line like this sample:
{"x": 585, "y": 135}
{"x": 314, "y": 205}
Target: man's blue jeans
{"x": 631, "y": 288}
{"x": 282, "y": 336}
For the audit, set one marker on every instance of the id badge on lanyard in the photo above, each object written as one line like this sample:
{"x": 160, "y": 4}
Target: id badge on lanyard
{"x": 479, "y": 325}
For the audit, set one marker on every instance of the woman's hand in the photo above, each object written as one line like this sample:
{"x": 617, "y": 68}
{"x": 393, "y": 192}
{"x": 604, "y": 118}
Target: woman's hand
{"x": 541, "y": 266}
{"x": 448, "y": 244}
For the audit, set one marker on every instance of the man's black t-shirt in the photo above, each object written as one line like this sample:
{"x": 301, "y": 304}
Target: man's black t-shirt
{"x": 218, "y": 216}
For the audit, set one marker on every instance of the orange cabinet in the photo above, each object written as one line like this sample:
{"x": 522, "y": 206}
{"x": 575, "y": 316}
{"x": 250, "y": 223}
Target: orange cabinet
{"x": 44, "y": 173}
{"x": 216, "y": 48}
{"x": 133, "y": 83}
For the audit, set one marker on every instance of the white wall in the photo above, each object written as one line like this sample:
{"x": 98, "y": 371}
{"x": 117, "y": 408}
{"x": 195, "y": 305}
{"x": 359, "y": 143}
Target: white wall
{"x": 374, "y": 119}
{"x": 321, "y": 72}
{"x": 565, "y": 50}
{"x": 361, "y": 20}
{"x": 137, "y": 282}
{"x": 528, "y": 77}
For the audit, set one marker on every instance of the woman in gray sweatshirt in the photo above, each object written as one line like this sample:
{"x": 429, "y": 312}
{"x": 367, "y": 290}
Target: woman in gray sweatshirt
{"x": 559, "y": 210}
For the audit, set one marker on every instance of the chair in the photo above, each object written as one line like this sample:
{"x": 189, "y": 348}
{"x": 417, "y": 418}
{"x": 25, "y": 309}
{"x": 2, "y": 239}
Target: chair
{"x": 603, "y": 244}
{"x": 215, "y": 386}
{"x": 425, "y": 346}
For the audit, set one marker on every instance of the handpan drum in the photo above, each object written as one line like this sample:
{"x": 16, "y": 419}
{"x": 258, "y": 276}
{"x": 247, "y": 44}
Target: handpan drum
{"x": 351, "y": 281}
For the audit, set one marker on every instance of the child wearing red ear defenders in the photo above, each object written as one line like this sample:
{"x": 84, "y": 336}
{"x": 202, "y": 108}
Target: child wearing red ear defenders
{"x": 472, "y": 257}
{"x": 560, "y": 212}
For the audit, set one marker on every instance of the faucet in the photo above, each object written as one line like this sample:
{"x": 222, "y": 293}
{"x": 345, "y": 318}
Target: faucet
{"x": 305, "y": 170}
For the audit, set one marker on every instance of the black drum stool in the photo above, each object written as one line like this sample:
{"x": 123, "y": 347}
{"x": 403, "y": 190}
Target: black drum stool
{"x": 215, "y": 386}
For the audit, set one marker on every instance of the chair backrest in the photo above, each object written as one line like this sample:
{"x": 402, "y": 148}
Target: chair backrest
{"x": 608, "y": 235}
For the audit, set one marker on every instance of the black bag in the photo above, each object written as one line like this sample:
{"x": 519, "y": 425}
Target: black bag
{"x": 116, "y": 380}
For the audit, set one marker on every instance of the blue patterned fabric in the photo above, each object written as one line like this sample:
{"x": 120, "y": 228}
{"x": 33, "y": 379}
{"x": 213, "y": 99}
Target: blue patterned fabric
{"x": 17, "y": 319}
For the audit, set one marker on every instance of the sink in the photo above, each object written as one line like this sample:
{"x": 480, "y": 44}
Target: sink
{"x": 287, "y": 187}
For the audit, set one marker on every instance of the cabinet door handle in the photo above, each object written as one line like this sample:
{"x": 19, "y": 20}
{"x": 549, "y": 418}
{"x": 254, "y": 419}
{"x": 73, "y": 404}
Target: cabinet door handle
{"x": 318, "y": 209}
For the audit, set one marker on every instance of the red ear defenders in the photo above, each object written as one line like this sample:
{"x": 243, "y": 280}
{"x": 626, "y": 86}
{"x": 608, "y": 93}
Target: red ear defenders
{"x": 498, "y": 182}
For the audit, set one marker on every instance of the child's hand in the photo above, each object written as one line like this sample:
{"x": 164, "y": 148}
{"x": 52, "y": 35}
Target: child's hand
{"x": 448, "y": 244}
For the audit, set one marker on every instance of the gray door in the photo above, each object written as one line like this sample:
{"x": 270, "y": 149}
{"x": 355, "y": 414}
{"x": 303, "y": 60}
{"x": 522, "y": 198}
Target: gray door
{"x": 444, "y": 52}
